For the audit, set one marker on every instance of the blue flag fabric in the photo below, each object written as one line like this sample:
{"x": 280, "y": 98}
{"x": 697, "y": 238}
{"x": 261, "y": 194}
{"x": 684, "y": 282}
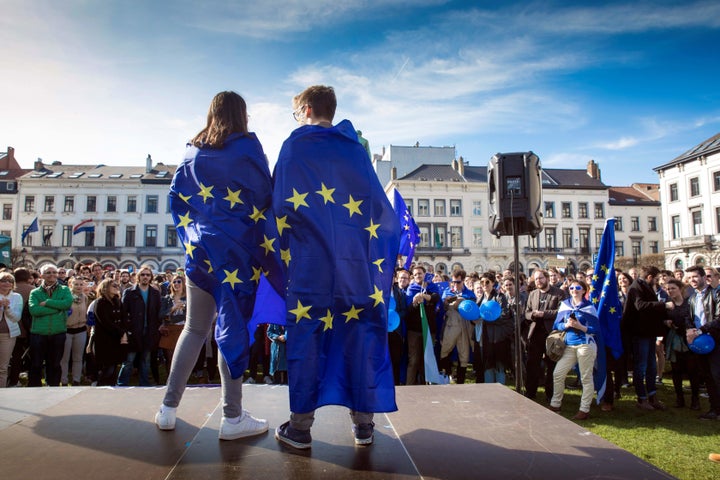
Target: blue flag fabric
{"x": 32, "y": 228}
{"x": 338, "y": 243}
{"x": 220, "y": 201}
{"x": 604, "y": 296}
{"x": 410, "y": 232}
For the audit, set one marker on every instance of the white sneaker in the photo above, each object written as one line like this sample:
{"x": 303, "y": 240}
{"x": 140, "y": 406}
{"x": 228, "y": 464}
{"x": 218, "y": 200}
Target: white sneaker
{"x": 246, "y": 427}
{"x": 268, "y": 380}
{"x": 165, "y": 418}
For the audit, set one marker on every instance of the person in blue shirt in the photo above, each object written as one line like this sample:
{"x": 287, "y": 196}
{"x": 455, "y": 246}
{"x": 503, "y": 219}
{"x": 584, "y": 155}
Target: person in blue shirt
{"x": 456, "y": 330}
{"x": 578, "y": 318}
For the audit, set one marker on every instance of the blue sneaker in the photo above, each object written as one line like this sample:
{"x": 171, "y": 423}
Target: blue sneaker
{"x": 363, "y": 433}
{"x": 299, "y": 439}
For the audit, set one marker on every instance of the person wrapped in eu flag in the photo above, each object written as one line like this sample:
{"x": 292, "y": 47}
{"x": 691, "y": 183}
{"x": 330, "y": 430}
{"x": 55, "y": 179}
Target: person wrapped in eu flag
{"x": 220, "y": 200}
{"x": 338, "y": 239}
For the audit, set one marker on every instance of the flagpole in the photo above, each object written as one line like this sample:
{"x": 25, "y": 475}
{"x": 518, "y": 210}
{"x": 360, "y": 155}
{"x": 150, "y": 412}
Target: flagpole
{"x": 519, "y": 381}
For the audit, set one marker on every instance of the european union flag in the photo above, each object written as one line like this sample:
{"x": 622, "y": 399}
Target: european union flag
{"x": 604, "y": 296}
{"x": 338, "y": 243}
{"x": 220, "y": 201}
{"x": 32, "y": 228}
{"x": 410, "y": 232}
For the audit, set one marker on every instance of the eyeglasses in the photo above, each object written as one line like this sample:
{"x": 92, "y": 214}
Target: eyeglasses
{"x": 485, "y": 282}
{"x": 5, "y": 280}
{"x": 456, "y": 281}
{"x": 145, "y": 275}
{"x": 177, "y": 281}
{"x": 297, "y": 112}
{"x": 575, "y": 287}
{"x": 62, "y": 271}
{"x": 53, "y": 272}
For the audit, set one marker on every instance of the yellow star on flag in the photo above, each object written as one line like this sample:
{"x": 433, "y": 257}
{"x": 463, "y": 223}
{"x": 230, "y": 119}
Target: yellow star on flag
{"x": 326, "y": 193}
{"x": 281, "y": 224}
{"x": 210, "y": 269}
{"x": 256, "y": 274}
{"x": 595, "y": 277}
{"x": 301, "y": 311}
{"x": 372, "y": 228}
{"x": 378, "y": 263}
{"x": 377, "y": 296}
{"x": 189, "y": 247}
{"x": 185, "y": 220}
{"x": 327, "y": 320}
{"x": 285, "y": 256}
{"x": 256, "y": 215}
{"x": 612, "y": 310}
{"x": 353, "y": 206}
{"x": 298, "y": 199}
{"x": 205, "y": 192}
{"x": 604, "y": 268}
{"x": 184, "y": 198}
{"x": 595, "y": 300}
{"x": 231, "y": 278}
{"x": 233, "y": 197}
{"x": 267, "y": 244}
{"x": 353, "y": 313}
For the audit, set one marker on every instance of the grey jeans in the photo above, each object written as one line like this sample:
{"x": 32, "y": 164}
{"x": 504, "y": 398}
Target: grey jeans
{"x": 201, "y": 310}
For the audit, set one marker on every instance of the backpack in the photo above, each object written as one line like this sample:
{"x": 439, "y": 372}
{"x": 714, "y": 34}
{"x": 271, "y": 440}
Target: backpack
{"x": 555, "y": 345}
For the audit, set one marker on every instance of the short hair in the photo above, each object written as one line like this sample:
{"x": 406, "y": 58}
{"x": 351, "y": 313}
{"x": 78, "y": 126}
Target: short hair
{"x": 46, "y": 267}
{"x": 8, "y": 275}
{"x": 459, "y": 272}
{"x": 676, "y": 282}
{"x": 420, "y": 267}
{"x": 647, "y": 270}
{"x": 696, "y": 269}
{"x": 321, "y": 99}
{"x": 489, "y": 276}
{"x": 581, "y": 283}
{"x": 22, "y": 274}
{"x": 544, "y": 273}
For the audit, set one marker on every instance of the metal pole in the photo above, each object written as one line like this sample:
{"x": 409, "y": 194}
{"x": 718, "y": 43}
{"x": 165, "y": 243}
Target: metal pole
{"x": 519, "y": 381}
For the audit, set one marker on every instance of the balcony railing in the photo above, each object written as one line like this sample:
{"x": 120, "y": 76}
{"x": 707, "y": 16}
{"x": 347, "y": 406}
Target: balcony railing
{"x": 698, "y": 241}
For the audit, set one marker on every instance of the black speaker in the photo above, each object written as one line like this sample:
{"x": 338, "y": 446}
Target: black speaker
{"x": 515, "y": 191}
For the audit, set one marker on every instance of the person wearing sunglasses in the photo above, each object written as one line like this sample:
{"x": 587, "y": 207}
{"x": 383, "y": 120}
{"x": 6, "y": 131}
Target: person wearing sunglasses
{"x": 492, "y": 340}
{"x": 456, "y": 330}
{"x": 578, "y": 318}
{"x": 172, "y": 313}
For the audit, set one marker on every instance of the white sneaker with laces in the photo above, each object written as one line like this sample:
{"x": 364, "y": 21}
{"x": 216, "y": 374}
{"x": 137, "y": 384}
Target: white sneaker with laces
{"x": 246, "y": 427}
{"x": 165, "y": 418}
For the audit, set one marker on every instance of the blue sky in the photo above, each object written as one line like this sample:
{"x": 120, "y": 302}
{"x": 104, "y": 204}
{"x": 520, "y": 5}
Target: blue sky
{"x": 628, "y": 84}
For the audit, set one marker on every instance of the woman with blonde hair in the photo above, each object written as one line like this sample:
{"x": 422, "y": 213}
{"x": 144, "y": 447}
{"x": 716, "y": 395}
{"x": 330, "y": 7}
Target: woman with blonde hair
{"x": 172, "y": 314}
{"x": 11, "y": 305}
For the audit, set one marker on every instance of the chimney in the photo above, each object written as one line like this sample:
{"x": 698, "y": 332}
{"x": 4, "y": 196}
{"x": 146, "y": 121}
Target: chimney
{"x": 39, "y": 167}
{"x": 461, "y": 167}
{"x": 148, "y": 164}
{"x": 455, "y": 165}
{"x": 593, "y": 170}
{"x": 393, "y": 173}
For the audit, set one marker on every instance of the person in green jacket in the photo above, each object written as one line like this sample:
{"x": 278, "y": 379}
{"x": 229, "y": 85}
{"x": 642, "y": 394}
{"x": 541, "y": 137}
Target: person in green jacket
{"x": 48, "y": 304}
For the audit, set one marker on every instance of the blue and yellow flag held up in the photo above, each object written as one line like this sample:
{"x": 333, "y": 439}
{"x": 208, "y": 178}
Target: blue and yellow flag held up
{"x": 409, "y": 231}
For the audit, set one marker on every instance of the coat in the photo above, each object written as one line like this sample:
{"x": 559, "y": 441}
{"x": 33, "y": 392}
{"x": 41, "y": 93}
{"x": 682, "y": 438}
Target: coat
{"x": 51, "y": 318}
{"x": 278, "y": 358}
{"x": 107, "y": 332}
{"x": 141, "y": 336}
{"x": 644, "y": 314}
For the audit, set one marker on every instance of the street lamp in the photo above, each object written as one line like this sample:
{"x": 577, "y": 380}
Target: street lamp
{"x": 23, "y": 253}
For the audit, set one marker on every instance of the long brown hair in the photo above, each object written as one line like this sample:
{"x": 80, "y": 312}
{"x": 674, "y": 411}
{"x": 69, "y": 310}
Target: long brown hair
{"x": 227, "y": 115}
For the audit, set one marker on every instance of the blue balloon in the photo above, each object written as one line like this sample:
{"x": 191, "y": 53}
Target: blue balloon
{"x": 393, "y": 320}
{"x": 391, "y": 304}
{"x": 490, "y": 311}
{"x": 469, "y": 310}
{"x": 703, "y": 344}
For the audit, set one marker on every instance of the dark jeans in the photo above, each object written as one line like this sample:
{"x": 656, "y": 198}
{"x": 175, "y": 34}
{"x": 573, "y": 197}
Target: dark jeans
{"x": 395, "y": 345}
{"x": 537, "y": 361}
{"x": 687, "y": 363}
{"x": 47, "y": 350}
{"x": 710, "y": 372}
{"x": 20, "y": 360}
{"x": 644, "y": 366}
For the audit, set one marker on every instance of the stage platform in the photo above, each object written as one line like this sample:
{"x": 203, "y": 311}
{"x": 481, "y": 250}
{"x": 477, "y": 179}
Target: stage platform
{"x": 440, "y": 432}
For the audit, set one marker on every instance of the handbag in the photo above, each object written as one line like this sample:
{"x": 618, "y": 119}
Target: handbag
{"x": 555, "y": 345}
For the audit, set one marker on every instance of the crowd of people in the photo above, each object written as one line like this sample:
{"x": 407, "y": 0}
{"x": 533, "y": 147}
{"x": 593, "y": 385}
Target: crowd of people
{"x": 663, "y": 313}
{"x": 94, "y": 325}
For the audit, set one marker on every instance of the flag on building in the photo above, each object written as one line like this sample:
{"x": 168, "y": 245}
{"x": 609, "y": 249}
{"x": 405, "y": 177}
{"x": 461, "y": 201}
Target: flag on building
{"x": 32, "y": 228}
{"x": 604, "y": 296}
{"x": 84, "y": 226}
{"x": 409, "y": 231}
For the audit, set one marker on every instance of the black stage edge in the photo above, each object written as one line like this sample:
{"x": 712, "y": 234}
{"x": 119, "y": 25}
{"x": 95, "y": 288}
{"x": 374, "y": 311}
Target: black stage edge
{"x": 440, "y": 432}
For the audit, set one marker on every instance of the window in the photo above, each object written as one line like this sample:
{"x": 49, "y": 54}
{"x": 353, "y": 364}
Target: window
{"x": 111, "y": 203}
{"x": 455, "y": 208}
{"x": 423, "y": 207}
{"x": 550, "y": 238}
{"x": 635, "y": 224}
{"x": 477, "y": 208}
{"x": 582, "y": 210}
{"x": 675, "y": 220}
{"x": 69, "y": 205}
{"x": 567, "y": 234}
{"x": 716, "y": 181}
{"x": 599, "y": 210}
{"x": 91, "y": 205}
{"x": 30, "y": 203}
{"x": 89, "y": 239}
{"x": 130, "y": 236}
{"x": 652, "y": 224}
{"x": 674, "y": 192}
{"x": 47, "y": 231}
{"x": 566, "y": 210}
{"x": 654, "y": 246}
{"x": 424, "y": 233}
{"x": 151, "y": 235}
{"x": 171, "y": 239}
{"x": 618, "y": 224}
{"x": 151, "y": 206}
{"x": 477, "y": 237}
{"x": 636, "y": 248}
{"x": 67, "y": 235}
{"x": 110, "y": 235}
{"x": 132, "y": 204}
{"x": 440, "y": 236}
{"x": 439, "y": 206}
{"x": 619, "y": 249}
{"x": 7, "y": 211}
{"x": 549, "y": 209}
{"x": 598, "y": 237}
{"x": 456, "y": 236}
{"x": 717, "y": 219}
{"x": 49, "y": 203}
{"x": 694, "y": 186}
{"x": 697, "y": 222}
{"x": 28, "y": 238}
{"x": 584, "y": 238}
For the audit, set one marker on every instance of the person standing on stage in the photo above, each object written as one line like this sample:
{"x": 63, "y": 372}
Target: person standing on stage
{"x": 339, "y": 238}
{"x": 220, "y": 199}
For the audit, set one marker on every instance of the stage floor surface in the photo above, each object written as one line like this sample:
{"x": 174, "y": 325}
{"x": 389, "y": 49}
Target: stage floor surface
{"x": 484, "y": 431}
